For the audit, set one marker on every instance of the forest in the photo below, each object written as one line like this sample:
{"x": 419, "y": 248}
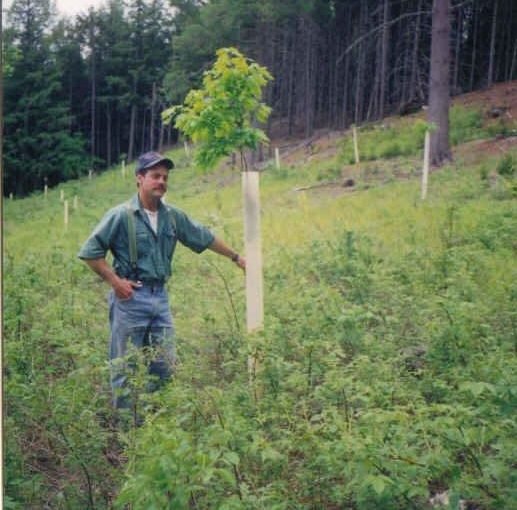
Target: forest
{"x": 84, "y": 93}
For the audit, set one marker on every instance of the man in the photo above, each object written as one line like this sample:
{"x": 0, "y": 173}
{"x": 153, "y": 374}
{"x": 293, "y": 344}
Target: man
{"x": 139, "y": 310}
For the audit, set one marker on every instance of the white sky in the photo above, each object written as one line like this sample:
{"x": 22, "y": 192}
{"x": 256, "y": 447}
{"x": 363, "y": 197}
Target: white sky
{"x": 66, "y": 7}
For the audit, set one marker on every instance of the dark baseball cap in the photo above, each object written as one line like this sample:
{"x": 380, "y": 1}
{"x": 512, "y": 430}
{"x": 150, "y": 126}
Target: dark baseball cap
{"x": 150, "y": 159}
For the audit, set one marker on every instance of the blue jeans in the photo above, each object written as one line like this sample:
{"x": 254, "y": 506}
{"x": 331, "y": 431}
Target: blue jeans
{"x": 144, "y": 320}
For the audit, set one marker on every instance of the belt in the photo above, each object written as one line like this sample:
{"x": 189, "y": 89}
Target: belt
{"x": 154, "y": 285}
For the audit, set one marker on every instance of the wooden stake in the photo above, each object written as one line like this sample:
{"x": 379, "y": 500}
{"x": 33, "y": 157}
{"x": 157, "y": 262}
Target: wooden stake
{"x": 10, "y": 196}
{"x": 45, "y": 191}
{"x": 356, "y": 144}
{"x": 123, "y": 169}
{"x": 277, "y": 158}
{"x": 62, "y": 195}
{"x": 66, "y": 214}
{"x": 253, "y": 247}
{"x": 75, "y": 204}
{"x": 425, "y": 169}
{"x": 187, "y": 150}
{"x": 90, "y": 172}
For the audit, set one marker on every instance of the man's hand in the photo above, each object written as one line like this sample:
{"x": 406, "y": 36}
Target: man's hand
{"x": 124, "y": 288}
{"x": 220, "y": 247}
{"x": 241, "y": 262}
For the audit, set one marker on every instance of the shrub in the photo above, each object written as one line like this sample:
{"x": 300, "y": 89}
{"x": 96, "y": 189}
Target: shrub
{"x": 506, "y": 166}
{"x": 464, "y": 124}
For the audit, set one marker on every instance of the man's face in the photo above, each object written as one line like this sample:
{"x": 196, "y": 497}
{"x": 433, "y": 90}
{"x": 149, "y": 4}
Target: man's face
{"x": 153, "y": 184}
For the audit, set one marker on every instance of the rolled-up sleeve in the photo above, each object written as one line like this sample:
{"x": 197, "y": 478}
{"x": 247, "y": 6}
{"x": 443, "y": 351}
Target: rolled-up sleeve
{"x": 100, "y": 241}
{"x": 192, "y": 234}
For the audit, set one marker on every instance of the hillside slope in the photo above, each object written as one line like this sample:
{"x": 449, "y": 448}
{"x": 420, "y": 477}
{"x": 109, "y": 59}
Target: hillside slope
{"x": 386, "y": 371}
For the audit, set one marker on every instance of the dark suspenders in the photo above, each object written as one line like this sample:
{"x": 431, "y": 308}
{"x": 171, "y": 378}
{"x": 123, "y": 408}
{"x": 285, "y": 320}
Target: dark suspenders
{"x": 131, "y": 230}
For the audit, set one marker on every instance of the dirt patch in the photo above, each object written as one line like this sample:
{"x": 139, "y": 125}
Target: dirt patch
{"x": 471, "y": 152}
{"x": 502, "y": 96}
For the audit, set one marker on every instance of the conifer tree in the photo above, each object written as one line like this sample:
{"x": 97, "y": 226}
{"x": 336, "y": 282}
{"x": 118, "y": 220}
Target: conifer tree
{"x": 39, "y": 146}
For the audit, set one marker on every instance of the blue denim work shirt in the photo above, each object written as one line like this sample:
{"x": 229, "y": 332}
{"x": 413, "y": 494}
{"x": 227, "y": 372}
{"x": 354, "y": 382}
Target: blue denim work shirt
{"x": 155, "y": 250}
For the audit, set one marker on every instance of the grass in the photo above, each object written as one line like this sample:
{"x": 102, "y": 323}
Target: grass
{"x": 405, "y": 137}
{"x": 386, "y": 370}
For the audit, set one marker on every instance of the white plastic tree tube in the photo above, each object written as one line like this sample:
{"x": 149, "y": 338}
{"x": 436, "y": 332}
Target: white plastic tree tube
{"x": 253, "y": 250}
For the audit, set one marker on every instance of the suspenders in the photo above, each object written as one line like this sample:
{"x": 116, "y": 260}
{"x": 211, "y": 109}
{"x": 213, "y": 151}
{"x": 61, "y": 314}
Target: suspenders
{"x": 131, "y": 230}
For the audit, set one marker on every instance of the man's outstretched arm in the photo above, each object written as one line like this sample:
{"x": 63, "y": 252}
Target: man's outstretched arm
{"x": 220, "y": 247}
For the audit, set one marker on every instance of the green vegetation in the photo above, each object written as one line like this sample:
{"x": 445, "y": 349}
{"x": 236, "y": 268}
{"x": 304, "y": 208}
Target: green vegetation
{"x": 387, "y": 363}
{"x": 220, "y": 116}
{"x": 407, "y": 138}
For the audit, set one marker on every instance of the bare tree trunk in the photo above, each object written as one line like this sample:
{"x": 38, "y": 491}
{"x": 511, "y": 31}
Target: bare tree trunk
{"x": 490, "y": 78}
{"x": 108, "y": 133}
{"x": 509, "y": 54}
{"x": 292, "y": 86}
{"x": 93, "y": 92}
{"x": 459, "y": 33}
{"x": 169, "y": 134}
{"x": 512, "y": 68}
{"x": 384, "y": 58}
{"x": 474, "y": 44}
{"x": 414, "y": 60}
{"x": 153, "y": 121}
{"x": 132, "y": 124}
{"x": 344, "y": 115}
{"x": 142, "y": 139}
{"x": 439, "y": 82}
{"x": 309, "y": 89}
{"x": 162, "y": 132}
{"x": 359, "y": 92}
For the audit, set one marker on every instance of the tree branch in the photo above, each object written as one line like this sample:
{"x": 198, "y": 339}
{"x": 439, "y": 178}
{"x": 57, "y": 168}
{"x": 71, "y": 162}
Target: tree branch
{"x": 378, "y": 28}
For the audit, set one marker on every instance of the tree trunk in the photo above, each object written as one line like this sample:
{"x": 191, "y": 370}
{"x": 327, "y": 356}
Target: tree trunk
{"x": 132, "y": 124}
{"x": 359, "y": 92}
{"x": 474, "y": 43}
{"x": 459, "y": 34}
{"x": 153, "y": 120}
{"x": 490, "y": 78}
{"x": 108, "y": 133}
{"x": 509, "y": 40}
{"x": 162, "y": 131}
{"x": 414, "y": 60}
{"x": 309, "y": 102}
{"x": 439, "y": 82}
{"x": 512, "y": 68}
{"x": 292, "y": 85}
{"x": 384, "y": 58}
{"x": 93, "y": 94}
{"x": 142, "y": 139}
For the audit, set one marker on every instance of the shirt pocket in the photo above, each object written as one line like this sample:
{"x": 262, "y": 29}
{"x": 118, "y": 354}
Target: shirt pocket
{"x": 169, "y": 242}
{"x": 143, "y": 243}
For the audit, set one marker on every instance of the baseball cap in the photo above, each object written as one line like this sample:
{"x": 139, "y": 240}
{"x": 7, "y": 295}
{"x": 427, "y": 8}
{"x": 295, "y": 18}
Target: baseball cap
{"x": 150, "y": 159}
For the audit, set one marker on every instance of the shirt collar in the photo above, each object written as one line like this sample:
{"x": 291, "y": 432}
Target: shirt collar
{"x": 136, "y": 205}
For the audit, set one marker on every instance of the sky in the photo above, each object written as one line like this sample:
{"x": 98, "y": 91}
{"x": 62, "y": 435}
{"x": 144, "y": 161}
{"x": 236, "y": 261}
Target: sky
{"x": 66, "y": 7}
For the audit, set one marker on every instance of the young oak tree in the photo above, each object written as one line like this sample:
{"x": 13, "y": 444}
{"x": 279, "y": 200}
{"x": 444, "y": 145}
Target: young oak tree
{"x": 220, "y": 117}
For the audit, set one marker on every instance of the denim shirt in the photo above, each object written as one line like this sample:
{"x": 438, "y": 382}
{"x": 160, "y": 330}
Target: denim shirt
{"x": 155, "y": 250}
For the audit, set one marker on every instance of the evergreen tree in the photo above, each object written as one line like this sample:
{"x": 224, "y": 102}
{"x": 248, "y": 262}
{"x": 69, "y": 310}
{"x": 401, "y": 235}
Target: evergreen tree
{"x": 39, "y": 146}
